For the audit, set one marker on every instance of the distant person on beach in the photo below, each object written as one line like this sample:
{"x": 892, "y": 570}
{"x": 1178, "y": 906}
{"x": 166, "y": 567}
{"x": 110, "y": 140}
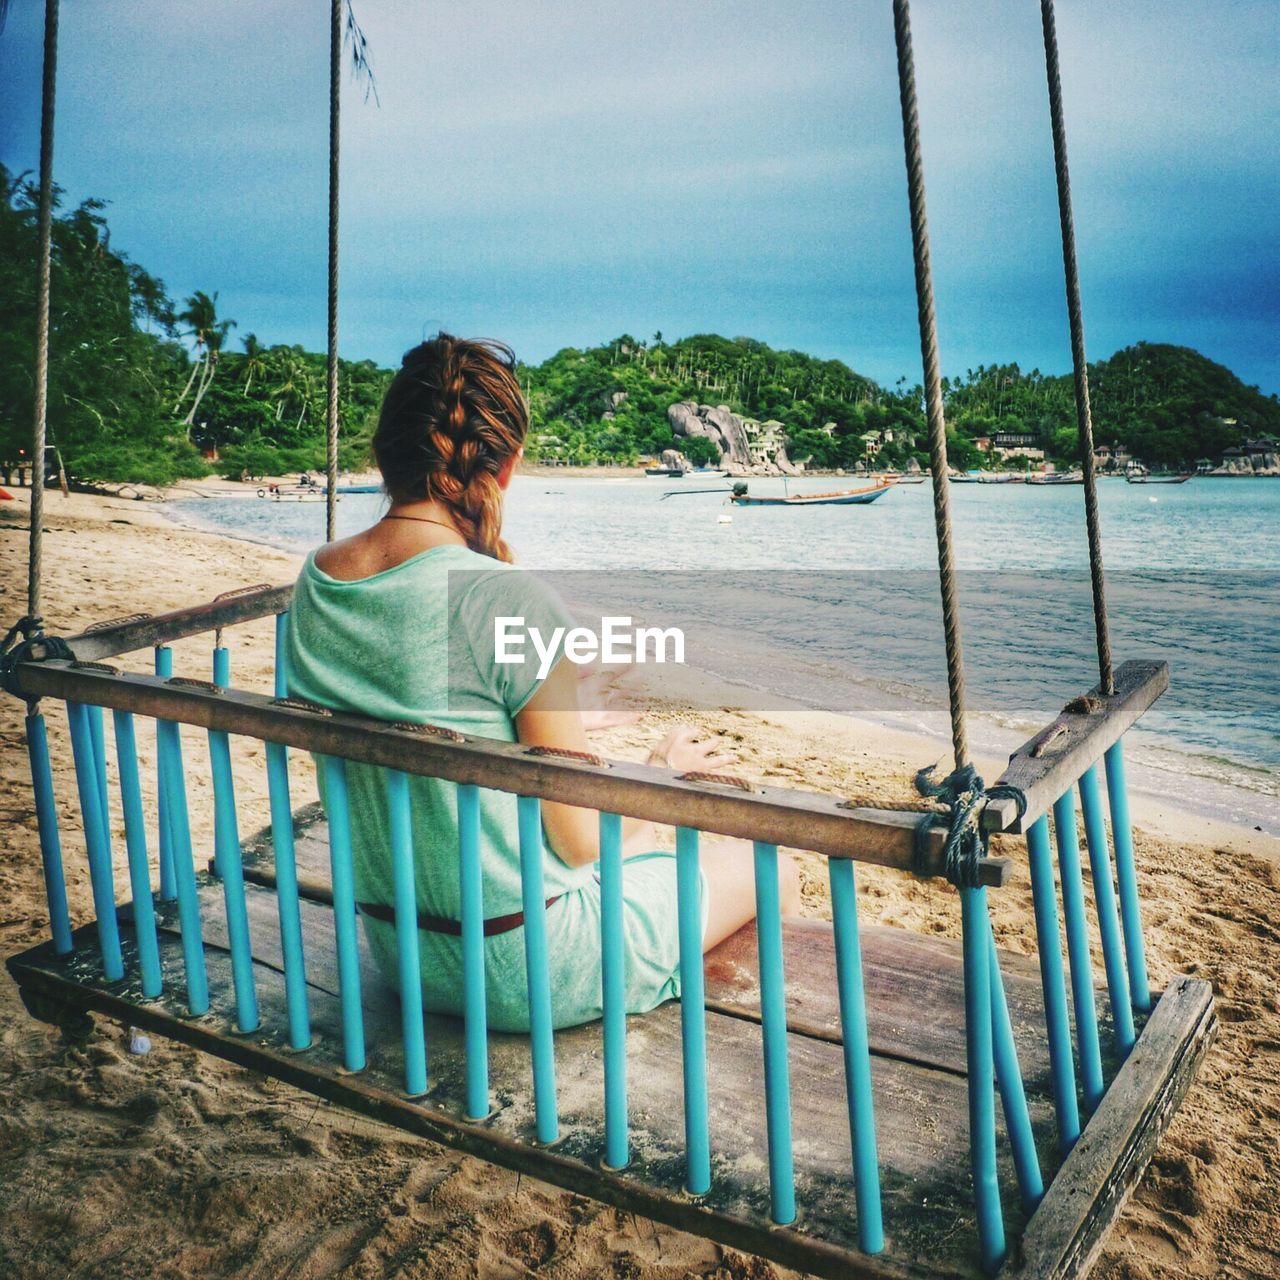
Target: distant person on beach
{"x": 378, "y": 627}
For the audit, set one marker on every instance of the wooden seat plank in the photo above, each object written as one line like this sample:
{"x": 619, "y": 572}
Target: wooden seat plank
{"x": 921, "y": 1114}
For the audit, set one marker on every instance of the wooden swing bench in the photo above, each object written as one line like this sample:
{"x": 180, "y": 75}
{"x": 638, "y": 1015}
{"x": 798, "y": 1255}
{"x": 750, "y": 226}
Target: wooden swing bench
{"x": 869, "y": 1047}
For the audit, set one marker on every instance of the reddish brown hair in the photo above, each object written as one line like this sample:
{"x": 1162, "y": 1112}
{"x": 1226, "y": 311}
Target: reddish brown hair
{"x": 452, "y": 418}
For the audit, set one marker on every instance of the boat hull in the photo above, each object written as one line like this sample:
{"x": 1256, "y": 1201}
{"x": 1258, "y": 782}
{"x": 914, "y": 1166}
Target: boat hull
{"x": 857, "y": 498}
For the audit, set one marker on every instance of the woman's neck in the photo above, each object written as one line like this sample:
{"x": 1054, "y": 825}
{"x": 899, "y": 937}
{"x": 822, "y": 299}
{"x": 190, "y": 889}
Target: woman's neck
{"x": 407, "y": 530}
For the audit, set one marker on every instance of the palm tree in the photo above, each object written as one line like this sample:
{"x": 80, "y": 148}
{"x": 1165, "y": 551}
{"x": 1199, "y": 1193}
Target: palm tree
{"x": 254, "y": 361}
{"x": 199, "y": 316}
{"x": 294, "y": 381}
{"x": 213, "y": 341}
{"x": 342, "y": 24}
{"x": 203, "y": 324}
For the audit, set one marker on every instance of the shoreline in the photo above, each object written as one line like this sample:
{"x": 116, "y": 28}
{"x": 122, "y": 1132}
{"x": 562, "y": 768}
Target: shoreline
{"x": 177, "y": 1137}
{"x": 1173, "y": 787}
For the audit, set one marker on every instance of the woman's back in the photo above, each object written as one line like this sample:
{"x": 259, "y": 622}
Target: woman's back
{"x": 414, "y": 643}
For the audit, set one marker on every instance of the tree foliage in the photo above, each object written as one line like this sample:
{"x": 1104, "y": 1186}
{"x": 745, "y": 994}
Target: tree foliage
{"x": 142, "y": 389}
{"x": 127, "y": 399}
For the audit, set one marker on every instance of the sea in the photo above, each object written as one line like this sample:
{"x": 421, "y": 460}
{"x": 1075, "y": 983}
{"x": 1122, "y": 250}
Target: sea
{"x": 836, "y": 607}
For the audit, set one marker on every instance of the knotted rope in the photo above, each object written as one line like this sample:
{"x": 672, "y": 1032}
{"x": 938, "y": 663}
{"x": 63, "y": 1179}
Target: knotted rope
{"x": 40, "y": 397}
{"x": 965, "y": 796}
{"x": 1079, "y": 365}
{"x": 34, "y": 646}
{"x": 963, "y": 792}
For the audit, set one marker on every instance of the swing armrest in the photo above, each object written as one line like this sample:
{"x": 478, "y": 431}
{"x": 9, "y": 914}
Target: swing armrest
{"x": 1049, "y": 764}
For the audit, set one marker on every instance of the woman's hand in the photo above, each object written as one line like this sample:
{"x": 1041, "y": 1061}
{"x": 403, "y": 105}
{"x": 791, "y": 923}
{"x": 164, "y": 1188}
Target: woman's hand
{"x": 597, "y": 687}
{"x": 682, "y": 750}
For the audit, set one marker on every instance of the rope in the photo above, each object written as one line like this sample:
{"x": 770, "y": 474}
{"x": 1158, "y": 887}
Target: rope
{"x": 932, "y": 380}
{"x": 964, "y": 793}
{"x": 331, "y": 437}
{"x": 34, "y": 646}
{"x": 1079, "y": 365}
{"x": 567, "y": 753}
{"x": 40, "y": 398}
{"x": 297, "y": 704}
{"x": 965, "y": 796}
{"x": 428, "y": 730}
{"x": 194, "y": 682}
{"x": 720, "y": 779}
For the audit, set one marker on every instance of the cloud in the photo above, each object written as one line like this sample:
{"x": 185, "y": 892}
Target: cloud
{"x": 561, "y": 172}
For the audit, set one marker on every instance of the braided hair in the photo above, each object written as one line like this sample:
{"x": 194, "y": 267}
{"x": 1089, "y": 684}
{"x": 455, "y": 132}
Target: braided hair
{"x": 452, "y": 418}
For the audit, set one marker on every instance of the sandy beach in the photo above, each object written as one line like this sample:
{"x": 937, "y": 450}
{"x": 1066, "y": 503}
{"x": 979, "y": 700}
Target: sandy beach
{"x": 174, "y": 1164}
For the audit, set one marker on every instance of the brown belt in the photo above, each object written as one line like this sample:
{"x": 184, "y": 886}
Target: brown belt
{"x": 442, "y": 924}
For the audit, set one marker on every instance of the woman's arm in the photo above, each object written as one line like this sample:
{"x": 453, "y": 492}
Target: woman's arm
{"x": 551, "y": 718}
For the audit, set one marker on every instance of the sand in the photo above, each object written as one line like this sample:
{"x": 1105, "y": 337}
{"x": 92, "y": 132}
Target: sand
{"x": 174, "y": 1164}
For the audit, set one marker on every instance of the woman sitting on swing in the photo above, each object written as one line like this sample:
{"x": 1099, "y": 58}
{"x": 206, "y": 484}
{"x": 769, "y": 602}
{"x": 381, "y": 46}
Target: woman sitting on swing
{"x": 378, "y": 628}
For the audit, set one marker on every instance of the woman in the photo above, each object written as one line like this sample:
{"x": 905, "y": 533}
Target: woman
{"x": 397, "y": 622}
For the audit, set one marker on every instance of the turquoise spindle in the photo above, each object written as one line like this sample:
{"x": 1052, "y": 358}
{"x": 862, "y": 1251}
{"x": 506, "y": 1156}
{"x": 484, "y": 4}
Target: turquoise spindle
{"x": 406, "y": 911}
{"x": 1064, "y": 826}
{"x": 1095, "y": 831}
{"x": 95, "y": 838}
{"x": 1013, "y": 1096}
{"x": 857, "y": 1054}
{"x": 282, "y": 638}
{"x": 613, "y": 958}
{"x": 135, "y": 839}
{"x": 541, "y": 1039}
{"x": 773, "y": 1017}
{"x": 693, "y": 1014}
{"x": 1127, "y": 878}
{"x": 184, "y": 870}
{"x": 475, "y": 1031}
{"x": 220, "y": 749}
{"x": 168, "y": 885}
{"x": 226, "y": 838}
{"x": 295, "y": 976}
{"x": 979, "y": 1052}
{"x": 338, "y": 811}
{"x": 98, "y": 738}
{"x": 1054, "y": 984}
{"x": 55, "y": 880}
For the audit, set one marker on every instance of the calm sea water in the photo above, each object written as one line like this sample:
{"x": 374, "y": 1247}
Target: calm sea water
{"x": 837, "y": 606}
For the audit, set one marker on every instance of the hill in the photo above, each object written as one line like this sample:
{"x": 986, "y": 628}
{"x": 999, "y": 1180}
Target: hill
{"x": 142, "y": 389}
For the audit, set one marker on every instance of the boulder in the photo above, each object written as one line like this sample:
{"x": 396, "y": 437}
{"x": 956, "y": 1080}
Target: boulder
{"x": 719, "y": 425}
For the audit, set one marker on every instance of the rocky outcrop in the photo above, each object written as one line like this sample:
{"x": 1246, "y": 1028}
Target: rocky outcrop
{"x": 785, "y": 465}
{"x": 746, "y": 447}
{"x": 719, "y": 425}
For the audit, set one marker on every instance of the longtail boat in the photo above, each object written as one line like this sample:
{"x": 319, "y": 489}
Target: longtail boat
{"x": 846, "y": 497}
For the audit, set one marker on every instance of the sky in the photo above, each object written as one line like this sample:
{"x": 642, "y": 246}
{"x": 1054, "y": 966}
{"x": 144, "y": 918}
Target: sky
{"x": 556, "y": 174}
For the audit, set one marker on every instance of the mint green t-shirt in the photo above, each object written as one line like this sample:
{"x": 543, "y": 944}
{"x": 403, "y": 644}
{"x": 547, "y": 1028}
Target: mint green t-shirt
{"x": 415, "y": 643}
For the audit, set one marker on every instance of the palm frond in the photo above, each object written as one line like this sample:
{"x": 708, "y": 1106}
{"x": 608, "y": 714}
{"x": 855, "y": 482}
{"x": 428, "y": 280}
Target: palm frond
{"x": 360, "y": 65}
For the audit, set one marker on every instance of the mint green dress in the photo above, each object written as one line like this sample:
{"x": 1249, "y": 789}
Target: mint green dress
{"x": 415, "y": 643}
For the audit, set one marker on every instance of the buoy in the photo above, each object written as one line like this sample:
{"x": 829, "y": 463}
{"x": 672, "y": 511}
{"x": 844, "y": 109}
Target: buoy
{"x": 1152, "y": 499}
{"x": 724, "y": 519}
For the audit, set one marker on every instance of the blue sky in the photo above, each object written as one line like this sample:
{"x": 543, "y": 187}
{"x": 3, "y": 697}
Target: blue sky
{"x": 555, "y": 174}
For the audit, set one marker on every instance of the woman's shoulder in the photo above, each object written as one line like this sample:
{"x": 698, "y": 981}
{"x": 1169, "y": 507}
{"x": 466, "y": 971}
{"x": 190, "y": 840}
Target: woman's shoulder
{"x": 484, "y": 586}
